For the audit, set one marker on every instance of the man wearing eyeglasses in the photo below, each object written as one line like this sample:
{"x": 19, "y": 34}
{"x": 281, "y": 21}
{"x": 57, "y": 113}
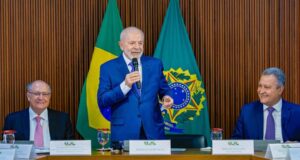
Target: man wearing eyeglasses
{"x": 39, "y": 123}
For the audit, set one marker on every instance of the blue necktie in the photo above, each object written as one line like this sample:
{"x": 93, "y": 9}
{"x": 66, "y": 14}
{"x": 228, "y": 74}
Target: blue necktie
{"x": 270, "y": 130}
{"x": 134, "y": 85}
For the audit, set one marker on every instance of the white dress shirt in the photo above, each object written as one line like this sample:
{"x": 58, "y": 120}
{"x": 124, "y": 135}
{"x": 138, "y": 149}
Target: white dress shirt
{"x": 44, "y": 124}
{"x": 125, "y": 89}
{"x": 277, "y": 119}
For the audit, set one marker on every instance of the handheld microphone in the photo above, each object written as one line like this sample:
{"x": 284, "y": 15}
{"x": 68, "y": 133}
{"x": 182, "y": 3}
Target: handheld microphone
{"x": 136, "y": 68}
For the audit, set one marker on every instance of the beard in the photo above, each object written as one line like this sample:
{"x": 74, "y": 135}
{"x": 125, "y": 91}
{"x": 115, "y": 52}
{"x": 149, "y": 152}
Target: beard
{"x": 135, "y": 55}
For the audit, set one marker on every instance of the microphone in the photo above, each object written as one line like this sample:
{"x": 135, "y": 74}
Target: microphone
{"x": 136, "y": 68}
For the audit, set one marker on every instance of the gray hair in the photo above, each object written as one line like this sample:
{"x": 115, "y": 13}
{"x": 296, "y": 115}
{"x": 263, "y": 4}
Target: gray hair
{"x": 127, "y": 30}
{"x": 277, "y": 72}
{"x": 29, "y": 85}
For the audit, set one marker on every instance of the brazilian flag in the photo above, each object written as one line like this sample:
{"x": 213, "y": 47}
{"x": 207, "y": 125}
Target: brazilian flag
{"x": 90, "y": 118}
{"x": 189, "y": 115}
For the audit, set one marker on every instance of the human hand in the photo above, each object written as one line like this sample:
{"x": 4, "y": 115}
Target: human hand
{"x": 167, "y": 102}
{"x": 131, "y": 78}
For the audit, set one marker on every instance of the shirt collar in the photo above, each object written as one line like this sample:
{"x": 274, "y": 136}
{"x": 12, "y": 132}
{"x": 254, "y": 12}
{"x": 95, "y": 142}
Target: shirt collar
{"x": 277, "y": 106}
{"x": 127, "y": 60}
{"x": 43, "y": 115}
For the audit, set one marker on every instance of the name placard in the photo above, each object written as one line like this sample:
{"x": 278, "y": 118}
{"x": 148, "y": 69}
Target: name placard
{"x": 8, "y": 154}
{"x": 280, "y": 151}
{"x": 294, "y": 153}
{"x": 22, "y": 151}
{"x": 153, "y": 147}
{"x": 232, "y": 147}
{"x": 71, "y": 147}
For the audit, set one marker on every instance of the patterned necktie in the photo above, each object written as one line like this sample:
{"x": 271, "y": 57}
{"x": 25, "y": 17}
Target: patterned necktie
{"x": 270, "y": 130}
{"x": 134, "y": 85}
{"x": 38, "y": 135}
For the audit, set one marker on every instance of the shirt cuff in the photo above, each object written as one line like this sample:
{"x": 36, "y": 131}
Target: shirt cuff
{"x": 125, "y": 89}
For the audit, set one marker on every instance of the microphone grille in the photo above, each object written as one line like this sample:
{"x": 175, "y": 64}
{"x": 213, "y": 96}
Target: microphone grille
{"x": 134, "y": 61}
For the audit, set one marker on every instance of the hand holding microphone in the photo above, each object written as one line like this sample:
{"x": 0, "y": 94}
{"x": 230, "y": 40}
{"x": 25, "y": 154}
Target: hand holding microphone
{"x": 134, "y": 77}
{"x": 136, "y": 68}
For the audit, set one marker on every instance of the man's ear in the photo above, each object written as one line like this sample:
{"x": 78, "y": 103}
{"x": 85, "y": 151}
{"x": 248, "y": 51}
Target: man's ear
{"x": 28, "y": 96}
{"x": 121, "y": 45}
{"x": 281, "y": 89}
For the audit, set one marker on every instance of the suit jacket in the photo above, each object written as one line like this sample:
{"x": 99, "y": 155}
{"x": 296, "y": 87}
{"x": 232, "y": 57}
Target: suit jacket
{"x": 60, "y": 126}
{"x": 250, "y": 122}
{"x": 129, "y": 112}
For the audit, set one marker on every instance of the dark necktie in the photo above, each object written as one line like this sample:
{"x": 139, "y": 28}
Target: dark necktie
{"x": 270, "y": 130}
{"x": 134, "y": 84}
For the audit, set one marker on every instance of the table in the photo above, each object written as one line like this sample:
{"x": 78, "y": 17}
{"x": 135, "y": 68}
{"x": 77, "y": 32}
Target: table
{"x": 190, "y": 154}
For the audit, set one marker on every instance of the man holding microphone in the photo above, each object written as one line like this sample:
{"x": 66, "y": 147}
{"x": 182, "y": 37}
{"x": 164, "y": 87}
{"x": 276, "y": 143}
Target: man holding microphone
{"x": 132, "y": 85}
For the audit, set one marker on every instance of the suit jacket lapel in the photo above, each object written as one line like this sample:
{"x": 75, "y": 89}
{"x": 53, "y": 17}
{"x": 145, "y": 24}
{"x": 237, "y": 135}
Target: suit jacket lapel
{"x": 26, "y": 126}
{"x": 260, "y": 120}
{"x": 145, "y": 73}
{"x": 285, "y": 115}
{"x": 122, "y": 66}
{"x": 51, "y": 120}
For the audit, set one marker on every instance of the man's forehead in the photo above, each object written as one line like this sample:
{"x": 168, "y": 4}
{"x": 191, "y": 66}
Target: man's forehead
{"x": 135, "y": 41}
{"x": 268, "y": 79}
{"x": 40, "y": 86}
{"x": 268, "y": 76}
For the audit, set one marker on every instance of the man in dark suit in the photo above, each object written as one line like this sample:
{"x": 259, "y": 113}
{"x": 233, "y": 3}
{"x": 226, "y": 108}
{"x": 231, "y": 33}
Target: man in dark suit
{"x": 271, "y": 117}
{"x": 39, "y": 123}
{"x": 135, "y": 111}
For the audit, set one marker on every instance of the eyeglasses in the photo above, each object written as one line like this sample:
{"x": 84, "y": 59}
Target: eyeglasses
{"x": 44, "y": 94}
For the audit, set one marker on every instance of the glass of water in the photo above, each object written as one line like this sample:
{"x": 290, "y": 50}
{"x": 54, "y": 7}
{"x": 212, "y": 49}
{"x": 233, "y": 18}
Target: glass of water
{"x": 216, "y": 134}
{"x": 9, "y": 136}
{"x": 103, "y": 136}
